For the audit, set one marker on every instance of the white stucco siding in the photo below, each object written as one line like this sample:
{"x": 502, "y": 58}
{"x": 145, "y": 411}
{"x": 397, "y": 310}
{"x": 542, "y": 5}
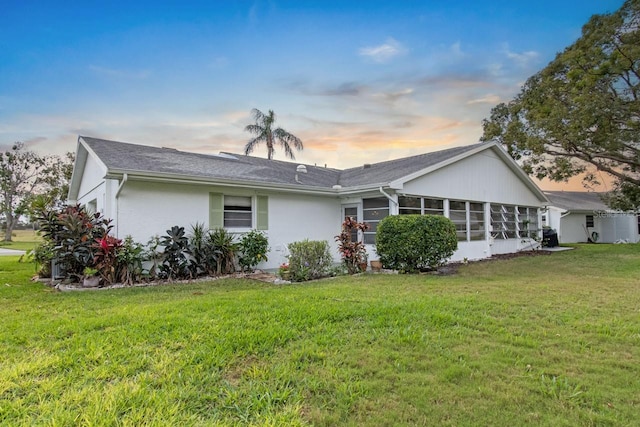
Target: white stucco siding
{"x": 572, "y": 228}
{"x": 92, "y": 177}
{"x": 294, "y": 218}
{"x": 483, "y": 177}
{"x": 145, "y": 209}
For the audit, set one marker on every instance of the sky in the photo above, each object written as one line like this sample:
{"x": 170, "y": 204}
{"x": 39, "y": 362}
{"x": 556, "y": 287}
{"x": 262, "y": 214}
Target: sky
{"x": 357, "y": 81}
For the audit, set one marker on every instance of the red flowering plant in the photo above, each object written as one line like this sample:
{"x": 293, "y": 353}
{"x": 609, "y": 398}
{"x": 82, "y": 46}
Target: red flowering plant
{"x": 353, "y": 252}
{"x": 105, "y": 256}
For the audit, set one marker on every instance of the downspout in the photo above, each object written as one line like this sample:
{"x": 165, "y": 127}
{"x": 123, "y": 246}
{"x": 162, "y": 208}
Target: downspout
{"x": 124, "y": 180}
{"x": 387, "y": 196}
{"x": 125, "y": 177}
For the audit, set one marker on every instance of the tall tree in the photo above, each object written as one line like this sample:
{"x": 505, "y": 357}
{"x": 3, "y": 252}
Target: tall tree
{"x": 581, "y": 114}
{"x": 264, "y": 132}
{"x": 25, "y": 174}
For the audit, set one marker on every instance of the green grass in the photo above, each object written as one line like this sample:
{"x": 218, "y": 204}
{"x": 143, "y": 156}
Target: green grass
{"x": 22, "y": 240}
{"x": 547, "y": 340}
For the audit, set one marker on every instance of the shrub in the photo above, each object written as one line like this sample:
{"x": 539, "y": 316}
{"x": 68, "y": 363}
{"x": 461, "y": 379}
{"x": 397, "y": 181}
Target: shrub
{"x": 130, "y": 259}
{"x": 409, "y": 243}
{"x": 309, "y": 260}
{"x": 176, "y": 249}
{"x": 253, "y": 249}
{"x": 106, "y": 257}
{"x": 42, "y": 254}
{"x": 153, "y": 257}
{"x": 221, "y": 251}
{"x": 72, "y": 232}
{"x": 199, "y": 250}
{"x": 353, "y": 253}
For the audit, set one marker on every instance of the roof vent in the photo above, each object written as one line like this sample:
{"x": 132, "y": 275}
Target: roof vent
{"x": 300, "y": 169}
{"x": 366, "y": 166}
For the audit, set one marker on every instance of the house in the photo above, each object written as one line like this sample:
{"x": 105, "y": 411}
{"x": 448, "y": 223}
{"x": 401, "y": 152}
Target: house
{"x": 580, "y": 216}
{"x": 145, "y": 190}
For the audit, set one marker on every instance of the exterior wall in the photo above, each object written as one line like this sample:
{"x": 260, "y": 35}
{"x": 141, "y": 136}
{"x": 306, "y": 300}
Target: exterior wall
{"x": 297, "y": 217}
{"x": 93, "y": 185}
{"x": 611, "y": 227}
{"x": 484, "y": 178}
{"x": 617, "y": 226}
{"x": 146, "y": 209}
{"x": 572, "y": 228}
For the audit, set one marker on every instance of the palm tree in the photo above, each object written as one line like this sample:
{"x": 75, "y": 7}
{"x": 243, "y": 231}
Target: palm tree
{"x": 263, "y": 129}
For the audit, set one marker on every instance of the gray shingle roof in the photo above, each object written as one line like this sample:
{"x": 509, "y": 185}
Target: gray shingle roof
{"x": 125, "y": 157}
{"x": 576, "y": 200}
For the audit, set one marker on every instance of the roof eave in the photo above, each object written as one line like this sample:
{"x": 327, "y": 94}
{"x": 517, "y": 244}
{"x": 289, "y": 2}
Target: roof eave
{"x": 134, "y": 175}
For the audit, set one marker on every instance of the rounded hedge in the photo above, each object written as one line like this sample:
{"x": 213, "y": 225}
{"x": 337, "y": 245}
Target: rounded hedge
{"x": 409, "y": 243}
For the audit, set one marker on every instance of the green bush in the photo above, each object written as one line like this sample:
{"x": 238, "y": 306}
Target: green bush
{"x": 409, "y": 243}
{"x": 309, "y": 259}
{"x": 253, "y": 249}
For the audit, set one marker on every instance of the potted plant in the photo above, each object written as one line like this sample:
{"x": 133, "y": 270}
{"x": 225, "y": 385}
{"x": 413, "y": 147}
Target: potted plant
{"x": 376, "y": 265}
{"x": 91, "y": 278}
{"x": 284, "y": 272}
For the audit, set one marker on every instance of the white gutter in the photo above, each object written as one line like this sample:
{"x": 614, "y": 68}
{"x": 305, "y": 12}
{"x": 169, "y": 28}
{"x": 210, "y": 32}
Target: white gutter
{"x": 125, "y": 177}
{"x": 387, "y": 195}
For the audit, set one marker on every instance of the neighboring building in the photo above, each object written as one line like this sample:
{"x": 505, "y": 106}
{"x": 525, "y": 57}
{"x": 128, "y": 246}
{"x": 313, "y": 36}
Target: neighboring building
{"x": 580, "y": 216}
{"x": 146, "y": 190}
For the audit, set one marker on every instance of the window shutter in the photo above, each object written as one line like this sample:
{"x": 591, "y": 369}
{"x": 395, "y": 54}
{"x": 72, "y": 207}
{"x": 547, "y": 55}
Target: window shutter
{"x": 216, "y": 210}
{"x": 262, "y": 210}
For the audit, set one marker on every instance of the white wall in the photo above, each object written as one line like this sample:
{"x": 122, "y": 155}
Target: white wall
{"x": 93, "y": 185}
{"x": 146, "y": 209}
{"x": 297, "y": 217}
{"x": 484, "y": 178}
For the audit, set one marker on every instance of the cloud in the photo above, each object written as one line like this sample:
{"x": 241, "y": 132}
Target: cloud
{"x": 522, "y": 59}
{"x": 384, "y": 52}
{"x": 487, "y": 99}
{"x": 396, "y": 95}
{"x": 456, "y": 50}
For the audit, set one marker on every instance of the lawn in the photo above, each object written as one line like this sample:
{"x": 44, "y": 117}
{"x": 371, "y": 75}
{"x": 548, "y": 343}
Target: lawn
{"x": 22, "y": 240}
{"x": 543, "y": 340}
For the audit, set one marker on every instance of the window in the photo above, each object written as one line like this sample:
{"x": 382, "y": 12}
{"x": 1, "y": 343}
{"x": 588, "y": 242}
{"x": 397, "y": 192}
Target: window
{"x": 352, "y": 212}
{"x": 433, "y": 207}
{"x": 373, "y": 211}
{"x": 234, "y": 211}
{"x": 503, "y": 221}
{"x": 638, "y": 224}
{"x": 528, "y": 222}
{"x": 92, "y": 206}
{"x": 589, "y": 221}
{"x": 420, "y": 206}
{"x": 458, "y": 215}
{"x": 476, "y": 221}
{"x": 237, "y": 212}
{"x": 409, "y": 205}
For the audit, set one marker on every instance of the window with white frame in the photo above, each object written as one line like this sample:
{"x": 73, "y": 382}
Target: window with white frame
{"x": 504, "y": 221}
{"x": 373, "y": 211}
{"x": 528, "y": 222}
{"x": 238, "y": 211}
{"x": 458, "y": 215}
{"x": 420, "y": 205}
{"x": 476, "y": 221}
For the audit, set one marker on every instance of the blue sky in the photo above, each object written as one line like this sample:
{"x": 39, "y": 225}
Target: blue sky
{"x": 358, "y": 82}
